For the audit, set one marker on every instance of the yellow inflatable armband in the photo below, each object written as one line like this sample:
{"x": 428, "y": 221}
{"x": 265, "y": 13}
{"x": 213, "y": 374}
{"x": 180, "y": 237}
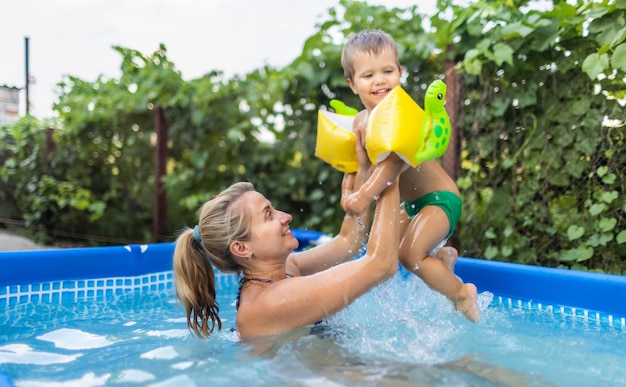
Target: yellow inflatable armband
{"x": 335, "y": 141}
{"x": 395, "y": 125}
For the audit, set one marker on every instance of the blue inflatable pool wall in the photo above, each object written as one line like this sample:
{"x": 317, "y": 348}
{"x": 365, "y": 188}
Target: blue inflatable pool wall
{"x": 588, "y": 292}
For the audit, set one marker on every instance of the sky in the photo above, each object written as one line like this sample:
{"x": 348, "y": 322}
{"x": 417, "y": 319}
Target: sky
{"x": 75, "y": 37}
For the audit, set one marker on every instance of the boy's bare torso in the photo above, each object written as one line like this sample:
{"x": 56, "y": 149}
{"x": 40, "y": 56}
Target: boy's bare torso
{"x": 427, "y": 177}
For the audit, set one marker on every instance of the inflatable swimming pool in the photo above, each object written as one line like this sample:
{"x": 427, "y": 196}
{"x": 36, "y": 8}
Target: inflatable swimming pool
{"x": 583, "y": 293}
{"x": 105, "y": 316}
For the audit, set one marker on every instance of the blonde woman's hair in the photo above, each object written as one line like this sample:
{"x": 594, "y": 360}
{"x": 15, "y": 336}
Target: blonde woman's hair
{"x": 222, "y": 220}
{"x": 369, "y": 41}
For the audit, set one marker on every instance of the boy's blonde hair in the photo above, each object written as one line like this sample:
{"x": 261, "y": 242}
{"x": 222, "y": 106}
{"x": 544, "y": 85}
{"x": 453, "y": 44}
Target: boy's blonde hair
{"x": 370, "y": 41}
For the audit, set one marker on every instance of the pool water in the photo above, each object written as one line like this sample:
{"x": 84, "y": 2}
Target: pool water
{"x": 400, "y": 333}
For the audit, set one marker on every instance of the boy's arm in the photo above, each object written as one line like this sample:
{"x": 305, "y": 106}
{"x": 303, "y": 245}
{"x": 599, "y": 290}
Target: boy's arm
{"x": 383, "y": 175}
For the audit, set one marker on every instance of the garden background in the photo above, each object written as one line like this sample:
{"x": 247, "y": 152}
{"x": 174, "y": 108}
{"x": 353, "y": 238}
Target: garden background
{"x": 536, "y": 96}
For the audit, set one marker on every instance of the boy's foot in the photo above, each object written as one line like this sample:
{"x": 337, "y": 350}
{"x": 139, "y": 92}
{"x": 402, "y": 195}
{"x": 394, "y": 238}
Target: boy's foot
{"x": 448, "y": 255}
{"x": 468, "y": 304}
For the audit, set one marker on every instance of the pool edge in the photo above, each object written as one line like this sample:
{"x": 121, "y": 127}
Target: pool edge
{"x": 593, "y": 292}
{"x": 548, "y": 286}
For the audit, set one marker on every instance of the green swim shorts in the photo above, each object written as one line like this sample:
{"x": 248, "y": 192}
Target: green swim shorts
{"x": 449, "y": 202}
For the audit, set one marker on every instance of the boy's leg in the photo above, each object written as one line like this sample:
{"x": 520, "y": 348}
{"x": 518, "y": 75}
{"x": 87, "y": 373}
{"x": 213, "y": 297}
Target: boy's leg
{"x": 424, "y": 233}
{"x": 448, "y": 255}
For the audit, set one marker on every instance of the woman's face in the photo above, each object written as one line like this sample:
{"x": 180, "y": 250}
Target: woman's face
{"x": 271, "y": 236}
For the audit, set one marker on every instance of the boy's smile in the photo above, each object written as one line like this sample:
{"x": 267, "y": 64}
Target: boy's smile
{"x": 375, "y": 75}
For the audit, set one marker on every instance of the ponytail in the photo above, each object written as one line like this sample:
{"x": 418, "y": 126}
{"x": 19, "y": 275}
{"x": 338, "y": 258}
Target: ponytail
{"x": 222, "y": 220}
{"x": 195, "y": 285}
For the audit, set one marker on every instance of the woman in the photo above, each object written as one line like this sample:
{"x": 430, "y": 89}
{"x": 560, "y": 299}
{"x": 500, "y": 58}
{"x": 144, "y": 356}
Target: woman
{"x": 281, "y": 290}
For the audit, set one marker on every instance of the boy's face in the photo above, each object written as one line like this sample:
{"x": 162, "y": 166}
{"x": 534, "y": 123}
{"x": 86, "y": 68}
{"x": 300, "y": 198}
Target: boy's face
{"x": 374, "y": 76}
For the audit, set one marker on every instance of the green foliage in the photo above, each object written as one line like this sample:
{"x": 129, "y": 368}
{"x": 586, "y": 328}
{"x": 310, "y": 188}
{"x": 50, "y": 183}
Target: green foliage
{"x": 542, "y": 128}
{"x": 545, "y": 111}
{"x": 42, "y": 199}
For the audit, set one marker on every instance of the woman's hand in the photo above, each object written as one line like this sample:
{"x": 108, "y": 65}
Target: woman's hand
{"x": 352, "y": 201}
{"x": 355, "y": 204}
{"x": 359, "y": 129}
{"x": 347, "y": 189}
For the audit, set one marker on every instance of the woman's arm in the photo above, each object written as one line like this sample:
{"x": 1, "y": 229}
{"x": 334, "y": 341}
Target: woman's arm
{"x": 345, "y": 245}
{"x": 352, "y": 235}
{"x": 299, "y": 301}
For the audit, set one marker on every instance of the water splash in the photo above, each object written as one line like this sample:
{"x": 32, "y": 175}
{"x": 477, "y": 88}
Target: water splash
{"x": 402, "y": 320}
{"x": 484, "y": 300}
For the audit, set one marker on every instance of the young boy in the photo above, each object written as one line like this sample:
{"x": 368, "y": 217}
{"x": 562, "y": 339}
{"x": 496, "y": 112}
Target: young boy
{"x": 431, "y": 198}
